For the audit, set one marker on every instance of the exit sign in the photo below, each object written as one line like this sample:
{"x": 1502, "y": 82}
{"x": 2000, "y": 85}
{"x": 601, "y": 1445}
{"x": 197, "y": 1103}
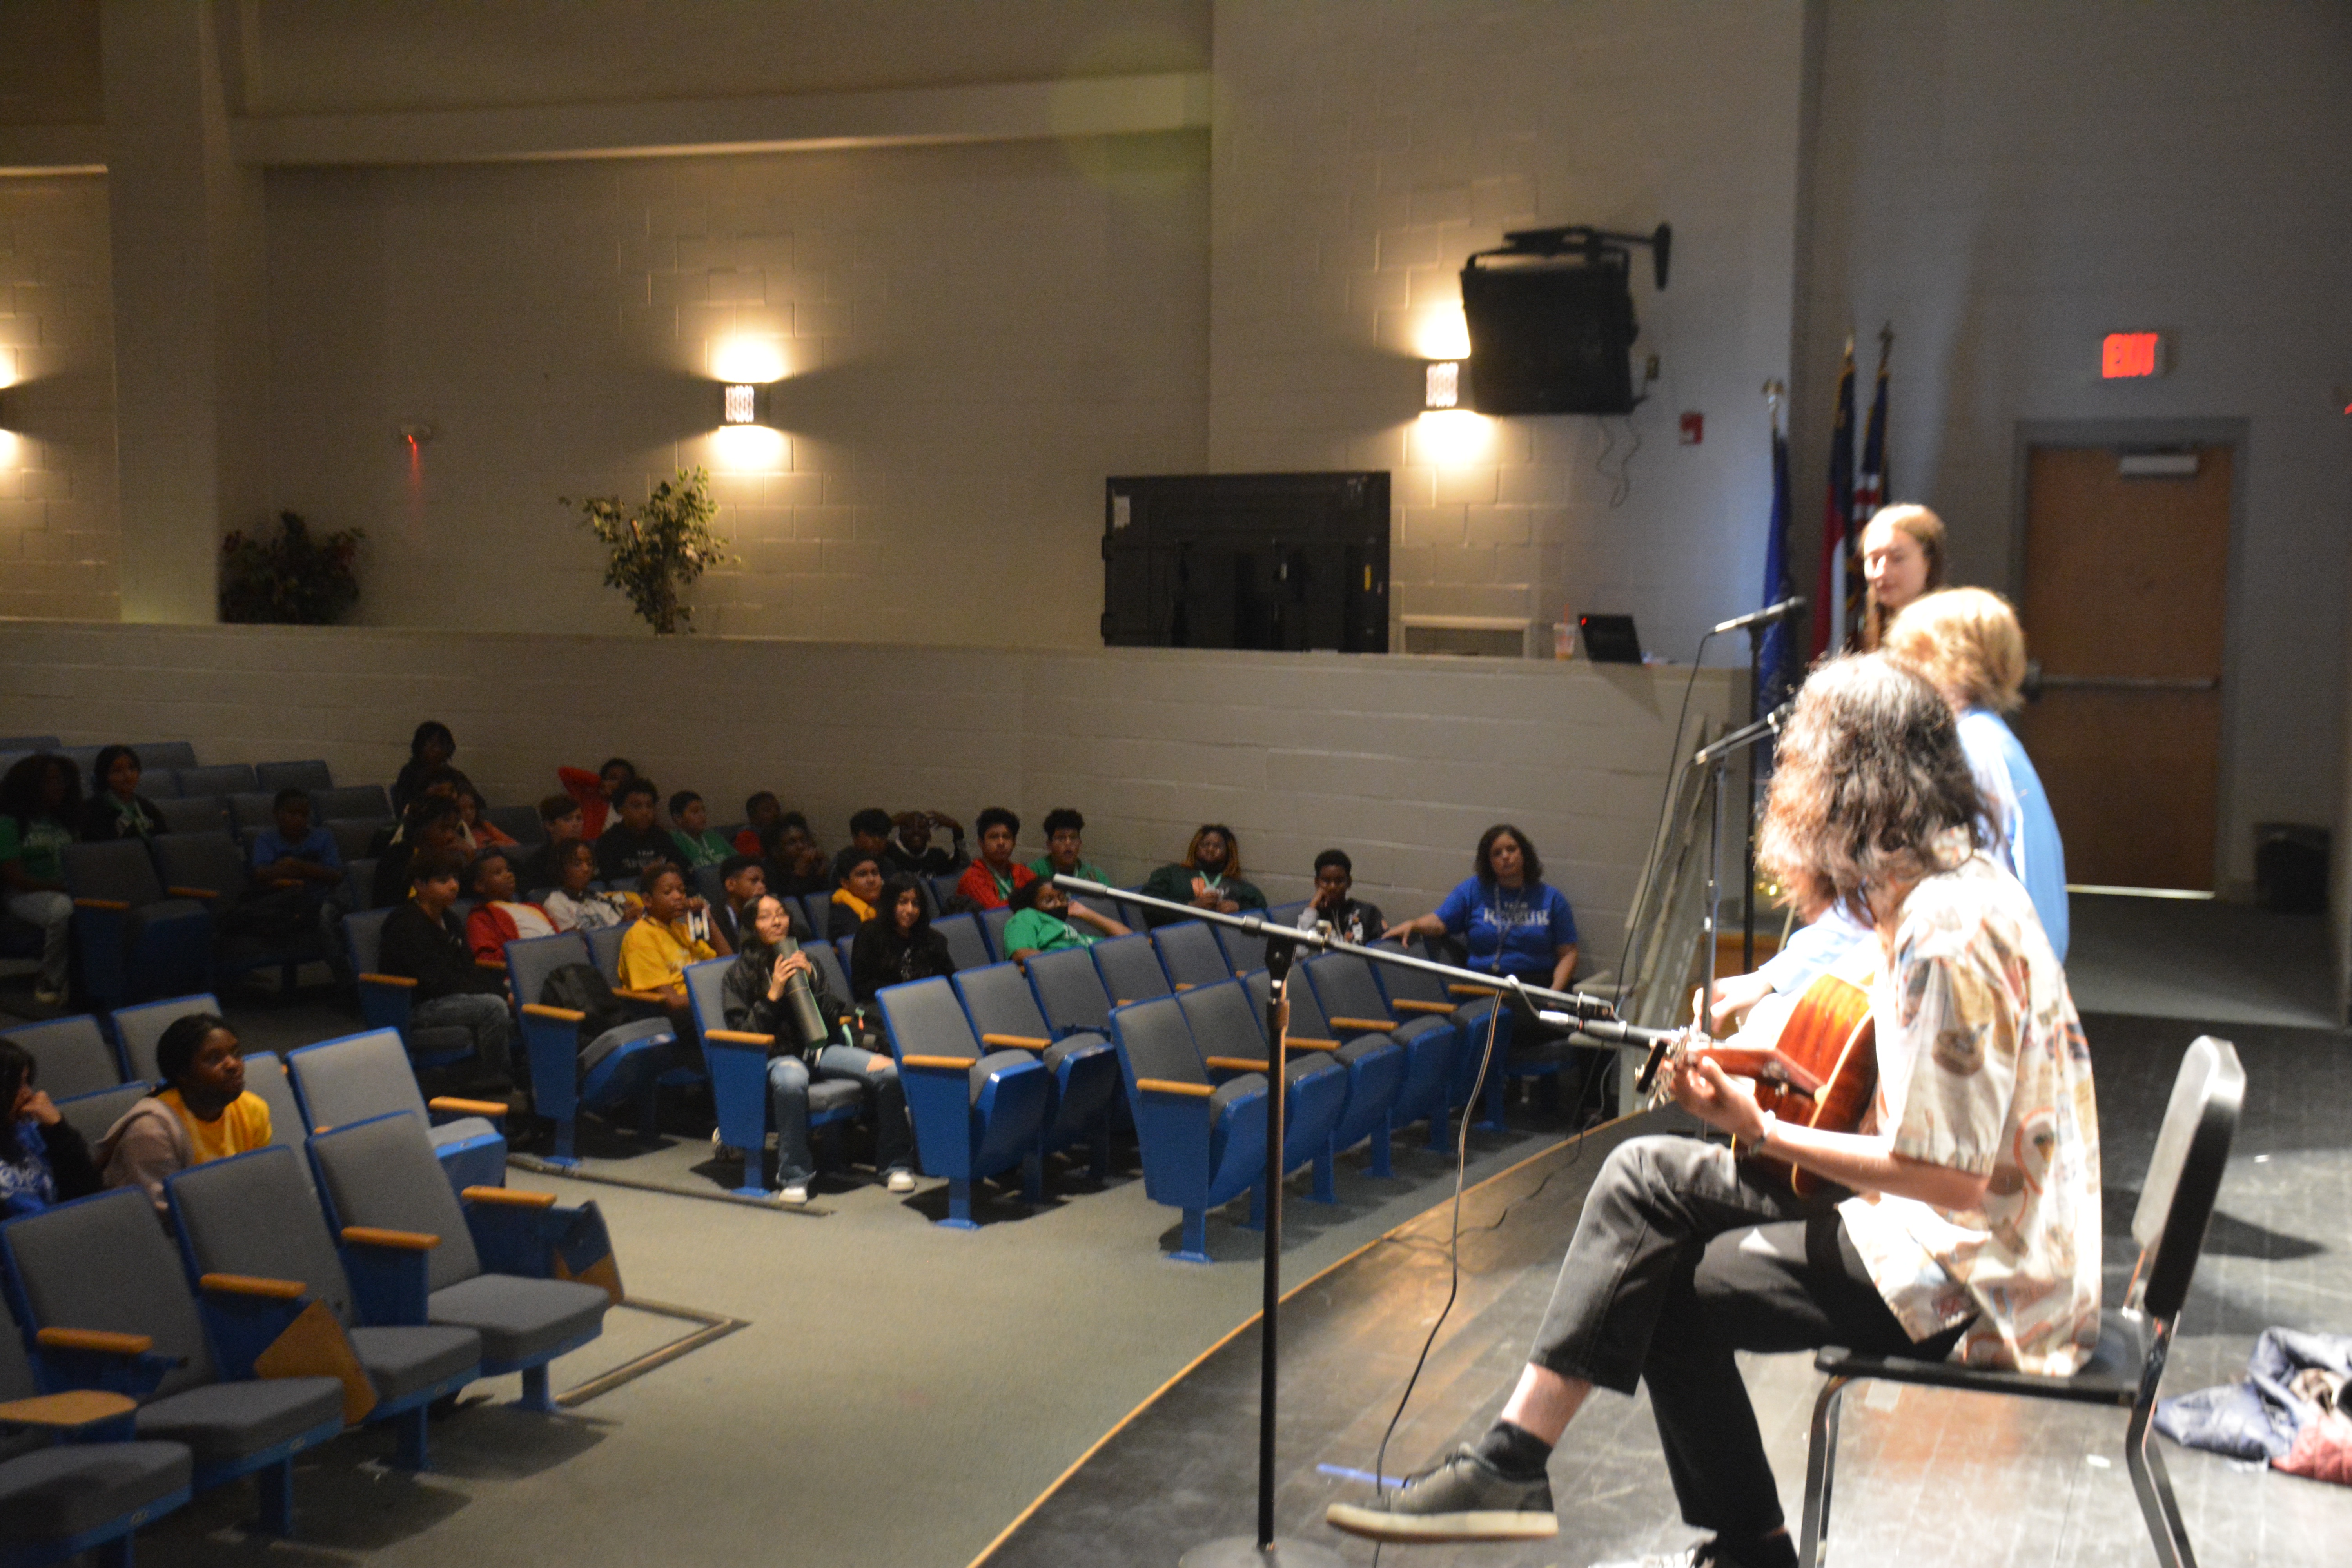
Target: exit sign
{"x": 2127, "y": 356}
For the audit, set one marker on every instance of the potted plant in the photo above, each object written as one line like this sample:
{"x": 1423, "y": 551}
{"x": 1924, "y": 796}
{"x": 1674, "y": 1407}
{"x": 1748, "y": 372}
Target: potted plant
{"x": 295, "y": 579}
{"x": 659, "y": 547}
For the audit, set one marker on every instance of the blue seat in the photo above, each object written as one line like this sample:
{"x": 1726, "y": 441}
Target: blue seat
{"x": 211, "y": 869}
{"x": 738, "y": 1059}
{"x": 1191, "y": 954}
{"x": 1202, "y": 1143}
{"x": 71, "y": 1480}
{"x": 938, "y": 890}
{"x": 967, "y": 947}
{"x": 141, "y": 1029}
{"x": 103, "y": 1266}
{"x": 534, "y": 1278}
{"x": 1475, "y": 1012}
{"x": 991, "y": 927}
{"x": 267, "y": 1077}
{"x": 1245, "y": 952}
{"x": 250, "y": 811}
{"x": 827, "y": 958}
{"x": 259, "y": 1255}
{"x": 157, "y": 755}
{"x": 350, "y": 803}
{"x": 222, "y": 778}
{"x": 816, "y": 909}
{"x": 70, "y": 1054}
{"x": 385, "y": 998}
{"x": 360, "y": 1075}
{"x": 271, "y": 777}
{"x": 1129, "y": 967}
{"x": 1351, "y": 1001}
{"x": 1319, "y": 1090}
{"x": 92, "y": 1115}
{"x": 194, "y": 813}
{"x": 1004, "y": 1012}
{"x": 133, "y": 941}
{"x": 976, "y": 1112}
{"x": 564, "y": 1082}
{"x": 31, "y": 744}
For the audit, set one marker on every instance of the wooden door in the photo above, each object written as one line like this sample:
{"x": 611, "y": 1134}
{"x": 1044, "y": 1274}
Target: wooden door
{"x": 2124, "y": 606}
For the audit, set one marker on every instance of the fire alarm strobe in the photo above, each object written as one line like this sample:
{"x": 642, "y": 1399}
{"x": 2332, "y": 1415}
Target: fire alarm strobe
{"x": 1694, "y": 427}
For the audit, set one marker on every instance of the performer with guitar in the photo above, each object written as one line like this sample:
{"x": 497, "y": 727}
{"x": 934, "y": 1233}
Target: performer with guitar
{"x": 1961, "y": 1215}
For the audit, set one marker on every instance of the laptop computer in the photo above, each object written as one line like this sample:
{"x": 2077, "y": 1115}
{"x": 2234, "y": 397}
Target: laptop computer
{"x": 1609, "y": 639}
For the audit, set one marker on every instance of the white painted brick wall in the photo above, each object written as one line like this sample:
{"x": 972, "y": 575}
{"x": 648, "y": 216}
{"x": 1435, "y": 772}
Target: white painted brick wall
{"x": 58, "y": 531}
{"x": 1401, "y": 762}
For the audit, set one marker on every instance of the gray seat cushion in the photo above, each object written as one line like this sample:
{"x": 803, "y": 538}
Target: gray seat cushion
{"x": 401, "y": 1361}
{"x": 464, "y": 1129}
{"x": 1059, "y": 1051}
{"x": 62, "y": 1491}
{"x": 1221, "y": 1099}
{"x": 519, "y": 1320}
{"x": 224, "y": 1422}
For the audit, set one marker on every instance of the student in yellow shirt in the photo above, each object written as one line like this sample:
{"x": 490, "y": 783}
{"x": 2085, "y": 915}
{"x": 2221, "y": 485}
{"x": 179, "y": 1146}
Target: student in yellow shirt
{"x": 658, "y": 948}
{"x": 203, "y": 1112}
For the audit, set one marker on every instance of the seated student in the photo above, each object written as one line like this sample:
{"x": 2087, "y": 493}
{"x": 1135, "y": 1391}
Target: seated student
{"x": 597, "y": 793}
{"x": 43, "y": 1160}
{"x": 745, "y": 879}
{"x": 442, "y": 783}
{"x": 117, "y": 810}
{"x": 1350, "y": 918}
{"x": 626, "y": 849}
{"x": 899, "y": 943}
{"x": 478, "y": 831}
{"x": 762, "y": 814}
{"x": 430, "y": 828}
{"x": 429, "y": 751}
{"x": 869, "y": 834}
{"x": 989, "y": 882}
{"x": 423, "y": 941}
{"x": 690, "y": 834}
{"x": 1065, "y": 848}
{"x": 910, "y": 848}
{"x": 560, "y": 814}
{"x": 796, "y": 866}
{"x": 203, "y": 1112}
{"x": 755, "y": 1002}
{"x": 293, "y": 866}
{"x": 854, "y": 900}
{"x": 40, "y": 800}
{"x": 1208, "y": 878}
{"x": 572, "y": 906}
{"x": 1045, "y": 920}
{"x": 654, "y": 954}
{"x": 499, "y": 917}
{"x": 1514, "y": 923}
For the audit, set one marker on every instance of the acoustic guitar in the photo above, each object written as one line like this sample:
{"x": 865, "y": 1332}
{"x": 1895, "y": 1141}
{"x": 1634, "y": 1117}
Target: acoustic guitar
{"x": 1812, "y": 1061}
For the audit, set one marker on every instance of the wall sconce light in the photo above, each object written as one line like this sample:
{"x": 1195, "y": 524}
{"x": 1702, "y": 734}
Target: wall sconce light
{"x": 740, "y": 405}
{"x": 1442, "y": 385}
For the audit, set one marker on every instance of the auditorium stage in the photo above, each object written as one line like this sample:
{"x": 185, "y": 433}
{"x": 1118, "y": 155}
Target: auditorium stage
{"x": 1925, "y": 1477}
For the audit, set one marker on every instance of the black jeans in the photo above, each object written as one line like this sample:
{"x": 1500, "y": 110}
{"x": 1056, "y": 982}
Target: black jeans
{"x": 1683, "y": 1255}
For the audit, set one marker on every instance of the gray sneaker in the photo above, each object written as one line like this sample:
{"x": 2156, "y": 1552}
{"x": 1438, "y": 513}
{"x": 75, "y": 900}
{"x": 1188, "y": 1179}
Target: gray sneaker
{"x": 1463, "y": 1498}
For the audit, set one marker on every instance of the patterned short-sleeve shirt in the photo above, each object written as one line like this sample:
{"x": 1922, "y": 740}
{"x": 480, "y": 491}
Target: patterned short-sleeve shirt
{"x": 1983, "y": 1069}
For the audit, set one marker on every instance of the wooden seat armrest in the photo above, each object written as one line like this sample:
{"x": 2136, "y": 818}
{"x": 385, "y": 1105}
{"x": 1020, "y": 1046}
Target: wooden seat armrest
{"x": 452, "y": 1106}
{"x": 1472, "y": 991}
{"x": 117, "y": 905}
{"x": 498, "y": 965}
{"x": 1307, "y": 1043}
{"x": 67, "y": 1411}
{"x": 1183, "y": 985}
{"x": 1406, "y": 1005}
{"x": 1235, "y": 1064}
{"x": 251, "y": 1285}
{"x": 739, "y": 1037}
{"x": 553, "y": 1015}
{"x": 100, "y": 1342}
{"x": 1169, "y": 1086}
{"x": 1015, "y": 1042}
{"x": 1369, "y": 1026}
{"x": 958, "y": 1064}
{"x": 194, "y": 892}
{"x": 403, "y": 982}
{"x": 510, "y": 1197}
{"x": 399, "y": 1240}
{"x": 658, "y": 997}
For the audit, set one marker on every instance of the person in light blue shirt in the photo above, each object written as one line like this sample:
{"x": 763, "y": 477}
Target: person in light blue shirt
{"x": 1516, "y": 925}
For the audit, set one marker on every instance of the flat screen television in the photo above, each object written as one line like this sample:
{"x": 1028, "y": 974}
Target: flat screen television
{"x": 1247, "y": 561}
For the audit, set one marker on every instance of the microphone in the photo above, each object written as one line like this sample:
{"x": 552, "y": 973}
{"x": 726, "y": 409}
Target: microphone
{"x": 1785, "y": 608}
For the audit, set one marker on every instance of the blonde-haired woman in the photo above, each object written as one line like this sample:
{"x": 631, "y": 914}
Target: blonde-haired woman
{"x": 1967, "y": 643}
{"x": 1902, "y": 558}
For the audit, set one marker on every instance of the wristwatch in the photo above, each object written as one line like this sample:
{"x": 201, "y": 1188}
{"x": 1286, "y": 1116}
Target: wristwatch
{"x": 1771, "y": 1126}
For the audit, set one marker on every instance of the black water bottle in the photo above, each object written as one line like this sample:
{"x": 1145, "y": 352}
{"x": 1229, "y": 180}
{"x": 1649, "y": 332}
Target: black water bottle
{"x": 800, "y": 1002}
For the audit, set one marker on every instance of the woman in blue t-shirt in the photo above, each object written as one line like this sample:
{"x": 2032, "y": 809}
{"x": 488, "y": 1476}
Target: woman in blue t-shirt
{"x": 1513, "y": 923}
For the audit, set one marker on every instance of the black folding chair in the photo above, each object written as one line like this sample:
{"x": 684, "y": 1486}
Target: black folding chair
{"x": 2184, "y": 1175}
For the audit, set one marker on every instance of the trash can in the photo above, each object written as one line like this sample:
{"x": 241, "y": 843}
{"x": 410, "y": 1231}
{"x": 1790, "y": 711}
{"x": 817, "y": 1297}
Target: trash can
{"x": 2291, "y": 867}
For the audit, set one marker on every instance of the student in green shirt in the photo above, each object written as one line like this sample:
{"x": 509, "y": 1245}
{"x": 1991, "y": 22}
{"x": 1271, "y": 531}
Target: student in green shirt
{"x": 690, "y": 825}
{"x": 1045, "y": 921}
{"x": 39, "y": 799}
{"x": 1208, "y": 878}
{"x": 1066, "y": 850}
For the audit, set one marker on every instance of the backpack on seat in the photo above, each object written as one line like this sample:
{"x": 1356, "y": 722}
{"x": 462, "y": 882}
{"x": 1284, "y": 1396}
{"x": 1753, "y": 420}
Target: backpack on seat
{"x": 611, "y": 1020}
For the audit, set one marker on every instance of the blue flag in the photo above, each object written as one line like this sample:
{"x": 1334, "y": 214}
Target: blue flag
{"x": 1779, "y": 669}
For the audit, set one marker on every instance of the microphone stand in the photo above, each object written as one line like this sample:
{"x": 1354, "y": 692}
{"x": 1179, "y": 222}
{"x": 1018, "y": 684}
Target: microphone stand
{"x": 1591, "y": 1016}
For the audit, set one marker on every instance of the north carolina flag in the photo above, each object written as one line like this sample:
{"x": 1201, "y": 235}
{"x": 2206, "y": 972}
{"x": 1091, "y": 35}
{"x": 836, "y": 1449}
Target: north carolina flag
{"x": 1837, "y": 519}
